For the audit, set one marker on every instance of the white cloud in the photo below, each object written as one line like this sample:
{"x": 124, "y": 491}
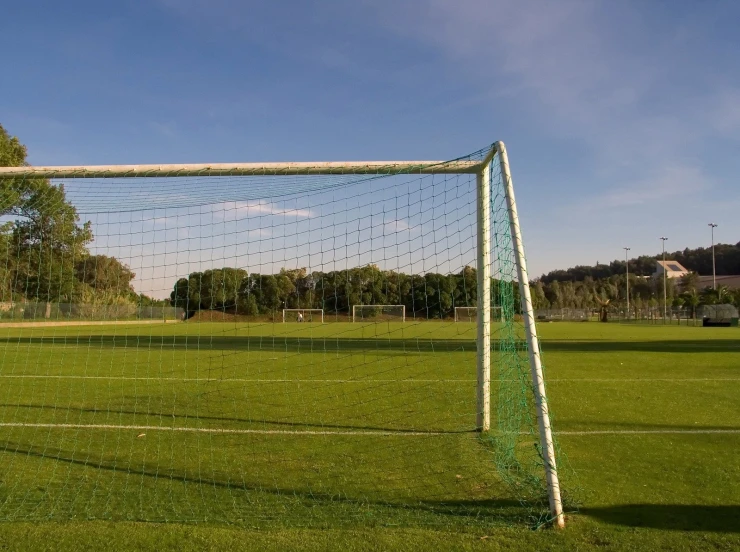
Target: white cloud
{"x": 667, "y": 184}
{"x": 238, "y": 209}
{"x": 165, "y": 129}
{"x": 396, "y": 226}
{"x": 567, "y": 65}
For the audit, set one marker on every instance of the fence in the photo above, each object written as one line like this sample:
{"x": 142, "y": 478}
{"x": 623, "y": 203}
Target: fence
{"x": 569, "y": 315}
{"x": 77, "y": 311}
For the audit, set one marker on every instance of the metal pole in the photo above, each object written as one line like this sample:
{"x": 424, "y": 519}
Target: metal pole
{"x": 665, "y": 291}
{"x": 714, "y": 268}
{"x": 627, "y": 264}
{"x": 535, "y": 363}
{"x": 483, "y": 418}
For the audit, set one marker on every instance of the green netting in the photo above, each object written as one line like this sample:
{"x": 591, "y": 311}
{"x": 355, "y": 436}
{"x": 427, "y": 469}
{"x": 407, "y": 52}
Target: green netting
{"x": 155, "y": 366}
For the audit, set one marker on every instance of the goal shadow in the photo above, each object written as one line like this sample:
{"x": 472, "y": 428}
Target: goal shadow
{"x": 672, "y": 517}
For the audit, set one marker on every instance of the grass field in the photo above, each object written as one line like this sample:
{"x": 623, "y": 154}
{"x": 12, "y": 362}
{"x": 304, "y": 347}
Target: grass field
{"x": 356, "y": 436}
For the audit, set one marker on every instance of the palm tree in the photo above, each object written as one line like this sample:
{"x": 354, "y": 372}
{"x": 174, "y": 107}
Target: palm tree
{"x": 692, "y": 300}
{"x": 717, "y": 296}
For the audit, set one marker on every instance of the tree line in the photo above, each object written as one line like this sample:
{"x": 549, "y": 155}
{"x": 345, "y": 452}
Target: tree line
{"x": 236, "y": 291}
{"x": 44, "y": 250}
{"x": 592, "y": 287}
{"x": 644, "y": 293}
{"x": 697, "y": 260}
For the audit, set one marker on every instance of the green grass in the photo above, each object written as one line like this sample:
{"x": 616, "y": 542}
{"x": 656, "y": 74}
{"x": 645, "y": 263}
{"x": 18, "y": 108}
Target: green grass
{"x": 376, "y": 484}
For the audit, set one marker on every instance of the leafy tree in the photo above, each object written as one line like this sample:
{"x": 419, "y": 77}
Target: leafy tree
{"x": 219, "y": 288}
{"x": 45, "y": 242}
{"x": 104, "y": 273}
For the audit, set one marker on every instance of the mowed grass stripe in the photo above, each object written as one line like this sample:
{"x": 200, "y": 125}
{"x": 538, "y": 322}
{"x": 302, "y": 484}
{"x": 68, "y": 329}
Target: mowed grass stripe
{"x": 219, "y": 430}
{"x": 358, "y": 381}
{"x": 358, "y": 433}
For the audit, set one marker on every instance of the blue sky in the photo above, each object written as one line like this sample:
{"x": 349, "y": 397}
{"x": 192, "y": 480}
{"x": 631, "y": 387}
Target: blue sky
{"x": 622, "y": 119}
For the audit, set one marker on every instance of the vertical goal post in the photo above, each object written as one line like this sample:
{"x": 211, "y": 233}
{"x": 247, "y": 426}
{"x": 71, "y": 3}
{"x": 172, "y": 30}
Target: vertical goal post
{"x": 482, "y": 169}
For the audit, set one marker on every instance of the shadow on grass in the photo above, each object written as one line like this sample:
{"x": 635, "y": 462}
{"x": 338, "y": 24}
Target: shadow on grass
{"x": 677, "y": 517}
{"x": 506, "y": 510}
{"x": 365, "y": 345}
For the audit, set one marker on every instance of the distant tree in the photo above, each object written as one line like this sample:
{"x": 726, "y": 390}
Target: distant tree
{"x": 689, "y": 281}
{"x": 692, "y": 300}
{"x": 539, "y": 299}
{"x": 104, "y": 273}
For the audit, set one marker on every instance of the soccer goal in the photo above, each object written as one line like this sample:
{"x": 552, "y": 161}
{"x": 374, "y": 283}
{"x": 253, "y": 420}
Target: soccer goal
{"x": 303, "y": 315}
{"x": 228, "y": 416}
{"x": 378, "y": 313}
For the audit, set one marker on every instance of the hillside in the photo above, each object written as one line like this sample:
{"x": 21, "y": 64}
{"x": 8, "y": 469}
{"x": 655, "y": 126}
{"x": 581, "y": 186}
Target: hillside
{"x": 697, "y": 260}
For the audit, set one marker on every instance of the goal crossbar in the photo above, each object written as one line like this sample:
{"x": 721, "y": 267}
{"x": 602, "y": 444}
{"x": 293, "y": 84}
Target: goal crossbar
{"x": 245, "y": 169}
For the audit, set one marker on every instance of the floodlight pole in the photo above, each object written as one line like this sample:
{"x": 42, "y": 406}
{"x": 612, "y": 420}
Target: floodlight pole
{"x": 665, "y": 286}
{"x": 535, "y": 362}
{"x": 714, "y": 268}
{"x": 627, "y": 264}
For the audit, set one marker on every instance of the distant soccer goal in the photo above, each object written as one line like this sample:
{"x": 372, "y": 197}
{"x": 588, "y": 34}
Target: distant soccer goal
{"x": 303, "y": 315}
{"x": 379, "y": 313}
{"x": 470, "y": 314}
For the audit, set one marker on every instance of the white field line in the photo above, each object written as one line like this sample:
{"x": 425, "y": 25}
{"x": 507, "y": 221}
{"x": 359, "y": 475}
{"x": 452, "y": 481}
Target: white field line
{"x": 302, "y": 380}
{"x": 359, "y": 433}
{"x": 224, "y": 431}
{"x": 53, "y": 324}
{"x": 237, "y": 380}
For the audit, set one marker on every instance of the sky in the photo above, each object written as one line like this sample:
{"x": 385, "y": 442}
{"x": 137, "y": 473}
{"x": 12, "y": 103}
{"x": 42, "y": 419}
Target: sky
{"x": 621, "y": 119}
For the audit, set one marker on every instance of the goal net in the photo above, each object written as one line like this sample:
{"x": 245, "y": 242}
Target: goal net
{"x": 470, "y": 314}
{"x": 147, "y": 373}
{"x": 303, "y": 315}
{"x": 378, "y": 313}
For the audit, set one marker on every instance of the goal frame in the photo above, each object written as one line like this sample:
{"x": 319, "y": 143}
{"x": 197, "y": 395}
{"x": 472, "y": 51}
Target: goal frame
{"x": 304, "y": 311}
{"x": 482, "y": 170}
{"x": 403, "y": 310}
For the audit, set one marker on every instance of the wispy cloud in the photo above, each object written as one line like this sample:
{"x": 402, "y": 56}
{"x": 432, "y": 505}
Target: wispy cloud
{"x": 574, "y": 73}
{"x": 670, "y": 183}
{"x": 165, "y": 129}
{"x": 396, "y": 226}
{"x": 240, "y": 209}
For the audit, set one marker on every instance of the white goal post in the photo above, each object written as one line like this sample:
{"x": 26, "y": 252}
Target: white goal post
{"x": 373, "y": 312}
{"x": 303, "y": 315}
{"x": 482, "y": 169}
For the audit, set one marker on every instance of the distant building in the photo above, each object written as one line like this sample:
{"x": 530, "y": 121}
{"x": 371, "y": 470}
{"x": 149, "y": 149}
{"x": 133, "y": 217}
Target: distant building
{"x": 672, "y": 269}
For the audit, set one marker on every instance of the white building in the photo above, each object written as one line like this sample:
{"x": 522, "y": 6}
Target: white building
{"x": 672, "y": 269}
